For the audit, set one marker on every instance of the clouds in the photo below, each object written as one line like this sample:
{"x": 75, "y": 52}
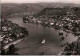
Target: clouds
{"x": 35, "y": 1}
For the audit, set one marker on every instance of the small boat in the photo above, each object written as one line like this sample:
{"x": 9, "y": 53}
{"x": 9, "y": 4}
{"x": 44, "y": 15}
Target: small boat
{"x": 43, "y": 41}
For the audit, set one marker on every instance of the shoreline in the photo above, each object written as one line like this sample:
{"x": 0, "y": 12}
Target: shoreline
{"x": 14, "y": 42}
{"x": 49, "y": 27}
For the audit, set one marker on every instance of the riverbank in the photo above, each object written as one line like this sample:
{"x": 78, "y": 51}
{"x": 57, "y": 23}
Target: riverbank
{"x": 14, "y": 42}
{"x": 32, "y": 45}
{"x": 11, "y": 33}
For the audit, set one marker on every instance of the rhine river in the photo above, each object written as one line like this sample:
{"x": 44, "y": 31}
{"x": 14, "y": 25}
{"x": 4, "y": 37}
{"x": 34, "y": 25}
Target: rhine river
{"x": 32, "y": 44}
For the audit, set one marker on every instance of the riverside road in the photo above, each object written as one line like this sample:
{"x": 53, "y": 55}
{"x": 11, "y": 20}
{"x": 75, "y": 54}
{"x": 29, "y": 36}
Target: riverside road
{"x": 32, "y": 45}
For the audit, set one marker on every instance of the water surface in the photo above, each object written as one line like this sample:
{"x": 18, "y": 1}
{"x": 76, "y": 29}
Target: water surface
{"x": 32, "y": 45}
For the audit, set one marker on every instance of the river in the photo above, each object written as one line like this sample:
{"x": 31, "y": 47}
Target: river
{"x": 32, "y": 44}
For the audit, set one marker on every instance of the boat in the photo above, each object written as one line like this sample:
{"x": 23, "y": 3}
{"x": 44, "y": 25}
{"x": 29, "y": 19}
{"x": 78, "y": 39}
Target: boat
{"x": 43, "y": 41}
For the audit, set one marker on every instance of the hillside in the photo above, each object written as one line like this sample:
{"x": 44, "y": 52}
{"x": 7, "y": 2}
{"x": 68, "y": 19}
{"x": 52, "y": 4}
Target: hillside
{"x": 9, "y": 9}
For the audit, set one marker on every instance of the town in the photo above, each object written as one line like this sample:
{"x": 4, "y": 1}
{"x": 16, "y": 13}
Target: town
{"x": 66, "y": 19}
{"x": 46, "y": 32}
{"x": 11, "y": 32}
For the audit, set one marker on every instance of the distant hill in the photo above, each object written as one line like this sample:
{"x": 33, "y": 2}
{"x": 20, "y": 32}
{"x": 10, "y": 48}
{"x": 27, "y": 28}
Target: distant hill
{"x": 52, "y": 11}
{"x": 12, "y": 8}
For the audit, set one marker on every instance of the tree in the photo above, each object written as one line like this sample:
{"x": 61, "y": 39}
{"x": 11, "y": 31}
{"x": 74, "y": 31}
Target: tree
{"x": 3, "y": 52}
{"x": 12, "y": 50}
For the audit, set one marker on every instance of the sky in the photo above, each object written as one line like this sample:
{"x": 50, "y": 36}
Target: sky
{"x": 35, "y": 1}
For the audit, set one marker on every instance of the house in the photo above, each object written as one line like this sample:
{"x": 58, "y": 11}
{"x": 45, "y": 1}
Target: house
{"x": 4, "y": 28}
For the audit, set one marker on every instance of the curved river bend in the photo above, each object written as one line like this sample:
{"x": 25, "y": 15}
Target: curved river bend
{"x": 32, "y": 45}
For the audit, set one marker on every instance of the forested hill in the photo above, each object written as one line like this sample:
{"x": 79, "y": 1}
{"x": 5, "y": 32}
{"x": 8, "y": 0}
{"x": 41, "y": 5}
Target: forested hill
{"x": 13, "y": 8}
